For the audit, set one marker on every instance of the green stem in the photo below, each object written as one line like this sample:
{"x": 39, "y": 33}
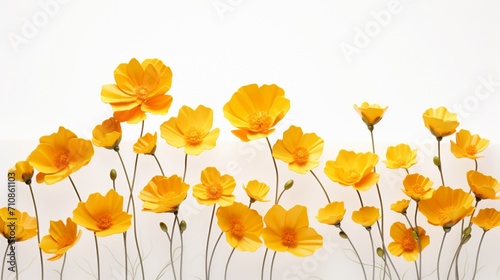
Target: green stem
{"x": 97, "y": 257}
{"x": 159, "y": 165}
{"x": 275, "y": 169}
{"x": 360, "y": 199}
{"x": 126, "y": 255}
{"x": 355, "y": 251}
{"x": 440, "y": 163}
{"x": 74, "y": 188}
{"x": 419, "y": 274}
{"x": 207, "y": 268}
{"x": 477, "y": 255}
{"x": 213, "y": 251}
{"x": 182, "y": 244}
{"x": 172, "y": 246}
{"x": 185, "y": 168}
{"x": 373, "y": 251}
{"x": 321, "y": 185}
{"x": 227, "y": 263}
{"x": 62, "y": 267}
{"x": 263, "y": 263}
{"x": 38, "y": 228}
{"x": 272, "y": 265}
{"x": 439, "y": 254}
{"x": 475, "y": 164}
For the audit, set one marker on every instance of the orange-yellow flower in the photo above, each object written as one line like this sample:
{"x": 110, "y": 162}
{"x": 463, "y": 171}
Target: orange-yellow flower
{"x": 140, "y": 88}
{"x": 300, "y": 151}
{"x": 353, "y": 169}
{"x": 400, "y": 156}
{"x": 191, "y": 130}
{"x": 214, "y": 188}
{"x": 255, "y": 110}
{"x": 257, "y": 191}
{"x": 24, "y": 229}
{"x": 60, "y": 239}
{"x": 400, "y": 206}
{"x": 332, "y": 213}
{"x": 366, "y": 216}
{"x": 60, "y": 154}
{"x": 146, "y": 144}
{"x": 417, "y": 187}
{"x": 487, "y": 219}
{"x": 103, "y": 215}
{"x": 468, "y": 145}
{"x": 447, "y": 206}
{"x": 440, "y": 122}
{"x": 23, "y": 171}
{"x": 108, "y": 134}
{"x": 483, "y": 186}
{"x": 405, "y": 243}
{"x": 242, "y": 226}
{"x": 290, "y": 231}
{"x": 163, "y": 194}
{"x": 371, "y": 114}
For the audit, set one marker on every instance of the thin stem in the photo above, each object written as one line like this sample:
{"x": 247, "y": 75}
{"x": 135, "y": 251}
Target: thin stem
{"x": 373, "y": 251}
{"x": 275, "y": 169}
{"x": 227, "y": 263}
{"x": 172, "y": 246}
{"x": 272, "y": 265}
{"x": 38, "y": 227}
{"x": 279, "y": 197}
{"x": 74, "y": 188}
{"x": 62, "y": 267}
{"x": 440, "y": 163}
{"x": 416, "y": 270}
{"x": 4, "y": 257}
{"x": 439, "y": 254}
{"x": 419, "y": 243}
{"x": 408, "y": 220}
{"x": 477, "y": 255}
{"x": 213, "y": 251}
{"x": 207, "y": 268}
{"x": 185, "y": 168}
{"x": 159, "y": 165}
{"x": 321, "y": 185}
{"x": 455, "y": 259}
{"x": 126, "y": 255}
{"x": 97, "y": 256}
{"x": 182, "y": 243}
{"x": 355, "y": 252}
{"x": 475, "y": 164}
{"x": 360, "y": 199}
{"x": 263, "y": 263}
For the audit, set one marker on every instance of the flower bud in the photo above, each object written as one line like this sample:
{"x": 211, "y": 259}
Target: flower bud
{"x": 380, "y": 252}
{"x": 183, "y": 226}
{"x": 437, "y": 161}
{"x": 288, "y": 184}
{"x": 343, "y": 234}
{"x": 112, "y": 174}
{"x": 163, "y": 227}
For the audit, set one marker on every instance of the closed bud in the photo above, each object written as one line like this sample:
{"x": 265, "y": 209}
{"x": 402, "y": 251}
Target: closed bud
{"x": 467, "y": 231}
{"x": 466, "y": 238}
{"x": 163, "y": 227}
{"x": 343, "y": 234}
{"x": 414, "y": 234}
{"x": 112, "y": 174}
{"x": 380, "y": 252}
{"x": 183, "y": 226}
{"x": 437, "y": 161}
{"x": 288, "y": 184}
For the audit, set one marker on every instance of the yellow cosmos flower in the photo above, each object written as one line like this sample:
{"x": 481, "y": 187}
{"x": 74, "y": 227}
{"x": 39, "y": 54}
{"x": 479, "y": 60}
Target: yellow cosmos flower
{"x": 103, "y": 215}
{"x": 191, "y": 130}
{"x": 60, "y": 239}
{"x": 332, "y": 213}
{"x": 417, "y": 187}
{"x": 21, "y": 223}
{"x": 300, "y": 151}
{"x": 447, "y": 206}
{"x": 255, "y": 110}
{"x": 483, "y": 186}
{"x": 146, "y": 144}
{"x": 366, "y": 216}
{"x": 405, "y": 243}
{"x": 257, "y": 191}
{"x": 23, "y": 171}
{"x": 140, "y": 88}
{"x": 60, "y": 154}
{"x": 487, "y": 219}
{"x": 353, "y": 169}
{"x": 290, "y": 231}
{"x": 400, "y": 206}
{"x": 400, "y": 156}
{"x": 163, "y": 194}
{"x": 214, "y": 188}
{"x": 370, "y": 113}
{"x": 108, "y": 134}
{"x": 468, "y": 145}
{"x": 242, "y": 226}
{"x": 440, "y": 122}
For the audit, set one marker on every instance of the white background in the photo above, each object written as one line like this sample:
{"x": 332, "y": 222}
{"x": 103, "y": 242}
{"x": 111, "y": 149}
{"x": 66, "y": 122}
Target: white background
{"x": 408, "y": 55}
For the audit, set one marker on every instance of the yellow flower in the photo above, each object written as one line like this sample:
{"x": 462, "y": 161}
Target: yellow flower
{"x": 366, "y": 216}
{"x": 146, "y": 144}
{"x": 139, "y": 89}
{"x": 440, "y": 122}
{"x": 405, "y": 243}
{"x": 483, "y": 187}
{"x": 487, "y": 219}
{"x": 24, "y": 228}
{"x": 400, "y": 206}
{"x": 417, "y": 187}
{"x": 255, "y": 110}
{"x": 60, "y": 239}
{"x": 60, "y": 154}
{"x": 23, "y": 171}
{"x": 103, "y": 215}
{"x": 163, "y": 194}
{"x": 300, "y": 151}
{"x": 108, "y": 134}
{"x": 257, "y": 191}
{"x": 370, "y": 113}
{"x": 332, "y": 213}
{"x": 290, "y": 231}
{"x": 242, "y": 226}
{"x": 468, "y": 145}
{"x": 214, "y": 188}
{"x": 400, "y": 156}
{"x": 353, "y": 169}
{"x": 447, "y": 206}
{"x": 191, "y": 130}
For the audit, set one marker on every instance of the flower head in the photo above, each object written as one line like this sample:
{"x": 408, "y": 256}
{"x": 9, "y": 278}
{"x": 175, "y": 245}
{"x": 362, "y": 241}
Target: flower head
{"x": 487, "y": 219}
{"x": 371, "y": 114}
{"x": 300, "y": 151}
{"x": 332, "y": 213}
{"x": 417, "y": 187}
{"x": 468, "y": 145}
{"x": 60, "y": 154}
{"x": 163, "y": 194}
{"x": 483, "y": 186}
{"x": 366, "y": 216}
{"x": 23, "y": 171}
{"x": 191, "y": 130}
{"x": 400, "y": 206}
{"x": 405, "y": 243}
{"x": 400, "y": 156}
{"x": 60, "y": 239}
{"x": 290, "y": 231}
{"x": 103, "y": 215}
{"x": 255, "y": 110}
{"x": 146, "y": 144}
{"x": 108, "y": 134}
{"x": 440, "y": 122}
{"x": 140, "y": 88}
{"x": 25, "y": 224}
{"x": 214, "y": 188}
{"x": 353, "y": 169}
{"x": 256, "y": 190}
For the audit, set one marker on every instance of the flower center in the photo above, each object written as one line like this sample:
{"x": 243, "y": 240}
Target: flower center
{"x": 64, "y": 241}
{"x": 141, "y": 93}
{"x": 237, "y": 228}
{"x": 259, "y": 121}
{"x": 193, "y": 136}
{"x": 104, "y": 221}
{"x": 408, "y": 242}
{"x": 300, "y": 155}
{"x": 61, "y": 160}
{"x": 401, "y": 161}
{"x": 353, "y": 175}
{"x": 471, "y": 150}
{"x": 289, "y": 238}
{"x": 418, "y": 189}
{"x": 169, "y": 195}
{"x": 214, "y": 191}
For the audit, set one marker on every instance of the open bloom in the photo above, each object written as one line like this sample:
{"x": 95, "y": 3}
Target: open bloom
{"x": 440, "y": 122}
{"x": 214, "y": 188}
{"x": 370, "y": 113}
{"x": 487, "y": 219}
{"x": 255, "y": 110}
{"x": 25, "y": 227}
{"x": 366, "y": 216}
{"x": 23, "y": 171}
{"x": 290, "y": 231}
{"x": 353, "y": 169}
{"x": 191, "y": 130}
{"x": 417, "y": 187}
{"x": 405, "y": 243}
{"x": 60, "y": 154}
{"x": 60, "y": 239}
{"x": 108, "y": 134}
{"x": 103, "y": 215}
{"x": 483, "y": 186}
{"x": 256, "y": 190}
{"x": 400, "y": 206}
{"x": 332, "y": 213}
{"x": 146, "y": 144}
{"x": 468, "y": 145}
{"x": 300, "y": 151}
{"x": 447, "y": 206}
{"x": 140, "y": 88}
{"x": 400, "y": 156}
{"x": 242, "y": 226}
{"x": 163, "y": 194}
